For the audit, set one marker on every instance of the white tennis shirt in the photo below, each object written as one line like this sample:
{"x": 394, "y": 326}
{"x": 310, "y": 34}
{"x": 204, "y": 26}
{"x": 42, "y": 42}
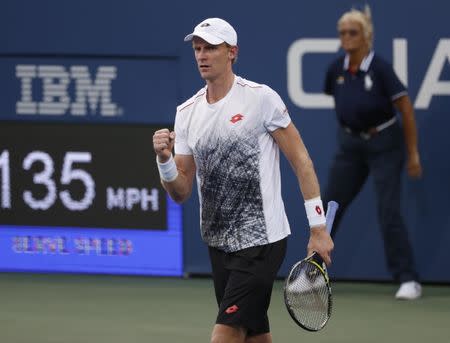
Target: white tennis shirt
{"x": 237, "y": 164}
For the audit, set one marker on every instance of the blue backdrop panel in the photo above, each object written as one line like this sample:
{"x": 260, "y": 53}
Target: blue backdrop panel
{"x": 284, "y": 44}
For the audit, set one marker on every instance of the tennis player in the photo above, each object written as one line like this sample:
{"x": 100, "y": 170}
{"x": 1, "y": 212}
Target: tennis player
{"x": 228, "y": 135}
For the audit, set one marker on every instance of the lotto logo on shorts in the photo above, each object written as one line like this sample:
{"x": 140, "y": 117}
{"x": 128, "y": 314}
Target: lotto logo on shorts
{"x": 318, "y": 210}
{"x": 232, "y": 309}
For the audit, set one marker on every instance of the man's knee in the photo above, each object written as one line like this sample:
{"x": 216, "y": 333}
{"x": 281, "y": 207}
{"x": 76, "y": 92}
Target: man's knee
{"x": 263, "y": 338}
{"x": 228, "y": 334}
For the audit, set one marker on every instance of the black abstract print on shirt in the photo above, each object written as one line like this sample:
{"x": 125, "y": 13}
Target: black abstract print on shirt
{"x": 232, "y": 215}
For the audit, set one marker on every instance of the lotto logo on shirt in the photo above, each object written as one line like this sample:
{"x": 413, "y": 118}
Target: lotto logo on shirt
{"x": 236, "y": 118}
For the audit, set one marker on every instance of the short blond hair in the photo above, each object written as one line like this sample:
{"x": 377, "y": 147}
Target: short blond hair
{"x": 362, "y": 18}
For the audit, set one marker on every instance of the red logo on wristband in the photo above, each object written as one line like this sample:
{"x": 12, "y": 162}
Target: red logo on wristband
{"x": 318, "y": 210}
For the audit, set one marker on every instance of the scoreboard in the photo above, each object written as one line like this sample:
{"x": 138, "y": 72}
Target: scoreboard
{"x": 85, "y": 197}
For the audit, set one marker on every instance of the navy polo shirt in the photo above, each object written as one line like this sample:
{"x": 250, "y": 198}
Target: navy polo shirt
{"x": 364, "y": 99}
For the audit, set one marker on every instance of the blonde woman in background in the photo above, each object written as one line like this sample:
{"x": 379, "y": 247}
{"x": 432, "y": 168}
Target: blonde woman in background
{"x": 367, "y": 95}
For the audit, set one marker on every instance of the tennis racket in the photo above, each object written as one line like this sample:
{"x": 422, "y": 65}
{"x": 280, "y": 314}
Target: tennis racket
{"x": 307, "y": 289}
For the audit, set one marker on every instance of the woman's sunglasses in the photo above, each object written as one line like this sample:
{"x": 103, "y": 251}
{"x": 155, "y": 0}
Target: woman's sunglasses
{"x": 351, "y": 32}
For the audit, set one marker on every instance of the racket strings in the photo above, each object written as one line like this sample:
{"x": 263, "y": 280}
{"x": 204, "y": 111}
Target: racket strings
{"x": 308, "y": 296}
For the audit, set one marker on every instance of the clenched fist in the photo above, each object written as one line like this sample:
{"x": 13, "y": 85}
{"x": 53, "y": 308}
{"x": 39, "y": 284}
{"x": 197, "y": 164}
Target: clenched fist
{"x": 163, "y": 141}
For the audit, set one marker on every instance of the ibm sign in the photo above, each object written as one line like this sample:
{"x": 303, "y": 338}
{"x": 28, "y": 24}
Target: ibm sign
{"x": 91, "y": 96}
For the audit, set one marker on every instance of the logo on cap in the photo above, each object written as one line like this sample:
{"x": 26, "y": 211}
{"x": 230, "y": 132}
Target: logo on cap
{"x": 205, "y": 25}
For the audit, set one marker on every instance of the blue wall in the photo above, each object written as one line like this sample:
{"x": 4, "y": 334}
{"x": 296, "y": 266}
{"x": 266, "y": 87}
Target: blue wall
{"x": 137, "y": 35}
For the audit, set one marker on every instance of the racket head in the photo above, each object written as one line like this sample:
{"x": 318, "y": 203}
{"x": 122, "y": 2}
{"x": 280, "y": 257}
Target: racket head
{"x": 307, "y": 294}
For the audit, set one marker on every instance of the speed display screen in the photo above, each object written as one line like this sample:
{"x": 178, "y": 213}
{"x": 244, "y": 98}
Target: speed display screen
{"x": 80, "y": 175}
{"x": 85, "y": 190}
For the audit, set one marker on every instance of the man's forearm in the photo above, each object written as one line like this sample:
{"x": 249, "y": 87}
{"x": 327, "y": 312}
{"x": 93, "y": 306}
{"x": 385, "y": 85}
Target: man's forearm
{"x": 178, "y": 189}
{"x": 307, "y": 179}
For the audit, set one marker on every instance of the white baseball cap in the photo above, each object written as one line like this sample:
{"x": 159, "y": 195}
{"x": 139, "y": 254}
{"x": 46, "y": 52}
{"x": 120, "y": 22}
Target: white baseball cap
{"x": 215, "y": 31}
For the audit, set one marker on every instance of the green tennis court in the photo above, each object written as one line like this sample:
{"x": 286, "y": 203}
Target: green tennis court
{"x": 37, "y": 308}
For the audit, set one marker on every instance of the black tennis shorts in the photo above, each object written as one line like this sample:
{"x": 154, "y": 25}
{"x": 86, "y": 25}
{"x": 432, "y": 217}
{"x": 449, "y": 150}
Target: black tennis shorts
{"x": 243, "y": 282}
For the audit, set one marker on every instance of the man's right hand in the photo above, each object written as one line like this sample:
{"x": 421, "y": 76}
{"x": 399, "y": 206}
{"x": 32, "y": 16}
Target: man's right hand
{"x": 320, "y": 241}
{"x": 163, "y": 141}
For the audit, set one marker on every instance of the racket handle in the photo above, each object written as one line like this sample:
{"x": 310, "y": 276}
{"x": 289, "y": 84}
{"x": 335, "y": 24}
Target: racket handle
{"x": 332, "y": 207}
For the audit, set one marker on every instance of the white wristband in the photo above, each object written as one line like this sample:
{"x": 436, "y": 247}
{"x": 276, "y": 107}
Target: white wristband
{"x": 168, "y": 170}
{"x": 315, "y": 212}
